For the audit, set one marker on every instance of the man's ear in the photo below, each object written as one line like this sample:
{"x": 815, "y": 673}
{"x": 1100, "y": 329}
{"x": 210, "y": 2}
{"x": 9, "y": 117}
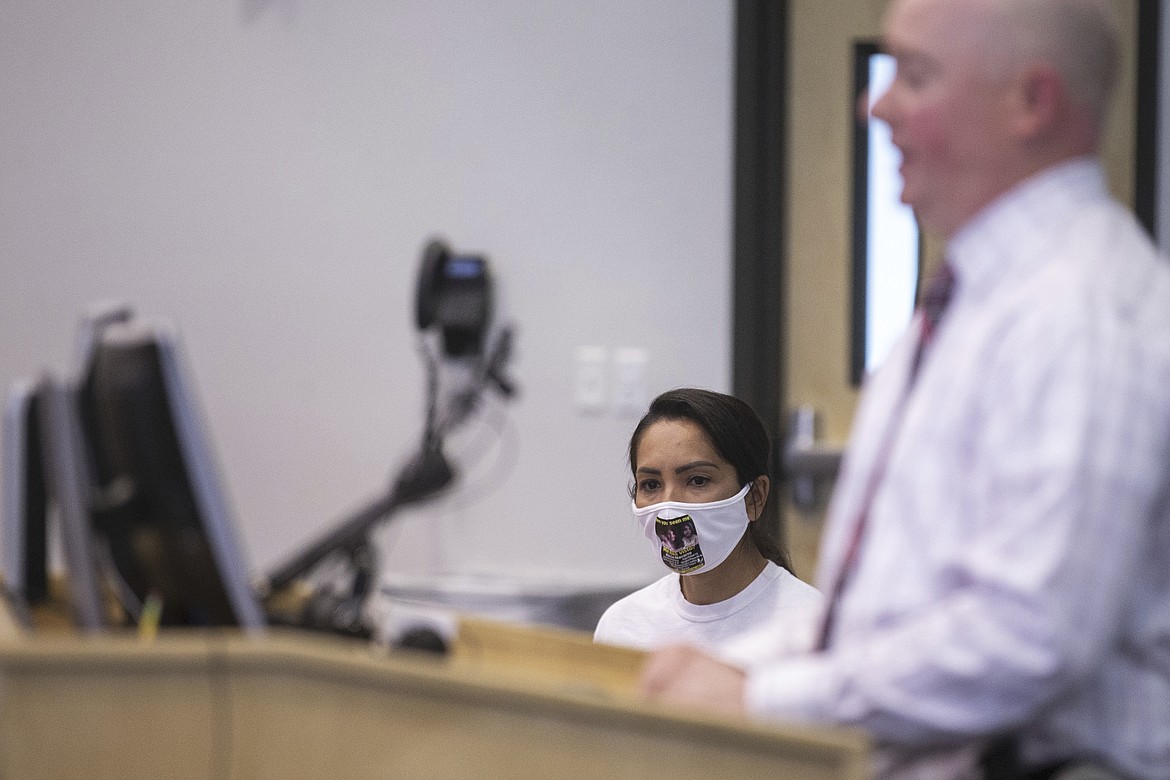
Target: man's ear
{"x": 757, "y": 497}
{"x": 1037, "y": 100}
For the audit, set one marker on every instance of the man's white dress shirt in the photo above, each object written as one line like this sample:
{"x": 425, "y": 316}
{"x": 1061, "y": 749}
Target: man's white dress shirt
{"x": 1014, "y": 573}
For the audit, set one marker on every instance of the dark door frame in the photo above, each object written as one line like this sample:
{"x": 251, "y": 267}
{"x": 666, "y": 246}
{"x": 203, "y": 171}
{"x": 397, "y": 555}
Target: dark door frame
{"x": 759, "y": 264}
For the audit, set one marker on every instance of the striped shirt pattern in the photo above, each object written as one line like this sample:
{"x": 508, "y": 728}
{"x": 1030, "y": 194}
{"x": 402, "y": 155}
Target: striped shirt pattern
{"x": 1015, "y": 570}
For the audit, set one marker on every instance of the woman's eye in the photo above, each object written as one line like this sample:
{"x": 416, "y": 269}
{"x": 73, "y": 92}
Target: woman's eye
{"x": 698, "y": 480}
{"x": 647, "y": 486}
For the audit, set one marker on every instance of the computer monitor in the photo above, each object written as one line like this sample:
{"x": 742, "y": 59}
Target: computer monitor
{"x": 23, "y": 526}
{"x": 160, "y": 518}
{"x": 44, "y": 491}
{"x": 69, "y": 490}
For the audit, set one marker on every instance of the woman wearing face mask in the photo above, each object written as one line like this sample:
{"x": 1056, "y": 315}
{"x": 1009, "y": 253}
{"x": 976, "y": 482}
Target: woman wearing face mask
{"x": 700, "y": 466}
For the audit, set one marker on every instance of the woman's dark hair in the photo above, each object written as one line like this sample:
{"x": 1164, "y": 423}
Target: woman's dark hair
{"x": 740, "y": 438}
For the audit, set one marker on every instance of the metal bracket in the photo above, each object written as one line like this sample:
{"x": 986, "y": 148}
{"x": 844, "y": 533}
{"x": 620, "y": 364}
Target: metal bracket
{"x": 808, "y": 466}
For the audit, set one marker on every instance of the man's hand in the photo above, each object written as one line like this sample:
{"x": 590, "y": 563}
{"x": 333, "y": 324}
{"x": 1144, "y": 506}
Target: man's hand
{"x": 684, "y": 675}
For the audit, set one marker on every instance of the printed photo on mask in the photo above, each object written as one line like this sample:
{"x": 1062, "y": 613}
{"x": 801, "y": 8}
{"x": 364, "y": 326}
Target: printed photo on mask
{"x": 680, "y": 543}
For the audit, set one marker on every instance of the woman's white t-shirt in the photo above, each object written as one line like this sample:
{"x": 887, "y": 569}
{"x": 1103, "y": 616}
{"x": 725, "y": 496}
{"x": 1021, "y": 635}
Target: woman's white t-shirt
{"x": 775, "y": 615}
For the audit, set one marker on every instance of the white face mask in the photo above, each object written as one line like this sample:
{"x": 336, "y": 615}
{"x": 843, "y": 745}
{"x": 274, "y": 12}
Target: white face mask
{"x": 695, "y": 537}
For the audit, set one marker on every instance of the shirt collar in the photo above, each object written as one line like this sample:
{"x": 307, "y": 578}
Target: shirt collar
{"x": 1000, "y": 240}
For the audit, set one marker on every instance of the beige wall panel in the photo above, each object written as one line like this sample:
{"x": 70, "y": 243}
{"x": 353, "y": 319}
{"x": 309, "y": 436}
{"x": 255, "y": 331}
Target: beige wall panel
{"x": 1119, "y": 146}
{"x": 819, "y": 219}
{"x": 821, "y": 105}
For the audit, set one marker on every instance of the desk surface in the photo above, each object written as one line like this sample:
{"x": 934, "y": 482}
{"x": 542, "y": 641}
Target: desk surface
{"x": 220, "y": 704}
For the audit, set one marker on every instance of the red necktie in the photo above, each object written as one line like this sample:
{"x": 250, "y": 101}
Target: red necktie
{"x": 933, "y": 305}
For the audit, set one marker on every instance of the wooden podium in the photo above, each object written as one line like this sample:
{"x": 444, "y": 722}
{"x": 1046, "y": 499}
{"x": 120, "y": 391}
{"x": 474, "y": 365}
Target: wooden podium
{"x": 507, "y": 702}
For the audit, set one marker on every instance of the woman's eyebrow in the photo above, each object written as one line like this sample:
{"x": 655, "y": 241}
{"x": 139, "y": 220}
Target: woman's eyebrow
{"x": 705, "y": 464}
{"x": 697, "y": 464}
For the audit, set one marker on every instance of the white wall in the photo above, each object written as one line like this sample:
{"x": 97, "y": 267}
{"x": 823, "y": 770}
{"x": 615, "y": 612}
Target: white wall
{"x": 266, "y": 172}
